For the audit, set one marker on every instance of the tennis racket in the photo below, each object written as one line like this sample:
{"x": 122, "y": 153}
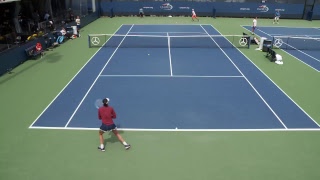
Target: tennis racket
{"x": 98, "y": 103}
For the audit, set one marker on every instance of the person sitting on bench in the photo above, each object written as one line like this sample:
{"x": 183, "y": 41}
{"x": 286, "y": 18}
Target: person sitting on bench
{"x": 38, "y": 47}
{"x": 256, "y": 41}
{"x": 61, "y": 35}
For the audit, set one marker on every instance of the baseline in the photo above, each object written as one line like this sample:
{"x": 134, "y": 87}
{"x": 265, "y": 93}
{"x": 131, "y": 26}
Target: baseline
{"x": 185, "y": 130}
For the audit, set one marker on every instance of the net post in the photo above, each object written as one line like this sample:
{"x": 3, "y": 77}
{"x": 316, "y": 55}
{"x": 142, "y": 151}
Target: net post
{"x": 233, "y": 39}
{"x": 105, "y": 40}
{"x": 89, "y": 40}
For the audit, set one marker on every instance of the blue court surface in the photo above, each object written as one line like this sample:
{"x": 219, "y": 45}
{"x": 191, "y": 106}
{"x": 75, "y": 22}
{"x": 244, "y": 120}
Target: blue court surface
{"x": 305, "y": 50}
{"x": 178, "y": 89}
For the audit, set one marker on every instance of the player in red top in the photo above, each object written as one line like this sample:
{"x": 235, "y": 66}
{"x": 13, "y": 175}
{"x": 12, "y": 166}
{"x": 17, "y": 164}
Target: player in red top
{"x": 106, "y": 114}
{"x": 194, "y": 15}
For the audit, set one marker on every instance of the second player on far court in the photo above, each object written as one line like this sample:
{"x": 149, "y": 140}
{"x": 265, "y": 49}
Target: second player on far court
{"x": 194, "y": 15}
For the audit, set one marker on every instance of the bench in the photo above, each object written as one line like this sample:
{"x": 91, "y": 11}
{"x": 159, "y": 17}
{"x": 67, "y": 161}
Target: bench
{"x": 271, "y": 54}
{"x": 49, "y": 43}
{"x": 246, "y": 36}
{"x": 253, "y": 40}
{"x": 33, "y": 53}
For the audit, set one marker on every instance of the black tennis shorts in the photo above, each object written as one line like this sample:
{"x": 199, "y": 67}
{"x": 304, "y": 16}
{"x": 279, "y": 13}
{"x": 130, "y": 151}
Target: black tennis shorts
{"x": 106, "y": 128}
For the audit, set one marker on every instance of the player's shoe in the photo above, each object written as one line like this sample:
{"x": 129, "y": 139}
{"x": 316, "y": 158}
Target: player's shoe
{"x": 101, "y": 149}
{"x": 127, "y": 146}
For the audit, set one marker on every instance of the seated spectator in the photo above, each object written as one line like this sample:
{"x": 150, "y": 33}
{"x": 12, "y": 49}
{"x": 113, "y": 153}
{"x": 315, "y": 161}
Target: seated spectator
{"x": 38, "y": 47}
{"x": 256, "y": 40}
{"x": 46, "y": 16}
{"x": 78, "y": 25}
{"x": 61, "y": 35}
{"x": 51, "y": 25}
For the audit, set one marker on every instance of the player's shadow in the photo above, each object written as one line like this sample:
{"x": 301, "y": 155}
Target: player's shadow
{"x": 111, "y": 138}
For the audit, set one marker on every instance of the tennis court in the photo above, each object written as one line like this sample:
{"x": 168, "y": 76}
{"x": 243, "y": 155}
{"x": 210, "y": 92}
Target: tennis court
{"x": 238, "y": 116}
{"x": 174, "y": 85}
{"x": 303, "y": 43}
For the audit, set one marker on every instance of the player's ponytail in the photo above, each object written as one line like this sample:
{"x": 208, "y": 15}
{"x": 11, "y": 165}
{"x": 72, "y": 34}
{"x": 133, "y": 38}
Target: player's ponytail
{"x": 105, "y": 101}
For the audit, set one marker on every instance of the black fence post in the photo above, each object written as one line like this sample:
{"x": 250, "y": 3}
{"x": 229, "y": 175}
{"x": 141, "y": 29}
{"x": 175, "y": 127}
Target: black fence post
{"x": 111, "y": 13}
{"x": 309, "y": 15}
{"x": 214, "y": 13}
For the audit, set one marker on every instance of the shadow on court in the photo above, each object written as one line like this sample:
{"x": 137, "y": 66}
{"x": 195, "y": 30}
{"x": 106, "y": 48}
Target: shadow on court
{"x": 14, "y": 72}
{"x": 29, "y": 64}
{"x": 109, "y": 137}
{"x": 53, "y": 57}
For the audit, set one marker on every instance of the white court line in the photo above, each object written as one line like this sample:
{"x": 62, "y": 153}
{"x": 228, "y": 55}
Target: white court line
{"x": 300, "y": 60}
{"x": 70, "y": 81}
{"x": 278, "y": 86}
{"x": 303, "y": 52}
{"x": 182, "y": 130}
{"x": 173, "y": 76}
{"x": 294, "y": 56}
{"x": 96, "y": 80}
{"x": 247, "y": 79}
{"x": 169, "y": 49}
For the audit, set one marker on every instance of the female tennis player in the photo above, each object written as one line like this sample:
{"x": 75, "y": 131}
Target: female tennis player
{"x": 194, "y": 15}
{"x": 106, "y": 114}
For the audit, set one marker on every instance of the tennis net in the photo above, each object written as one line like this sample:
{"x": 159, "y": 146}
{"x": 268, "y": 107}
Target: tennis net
{"x": 296, "y": 43}
{"x": 165, "y": 41}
